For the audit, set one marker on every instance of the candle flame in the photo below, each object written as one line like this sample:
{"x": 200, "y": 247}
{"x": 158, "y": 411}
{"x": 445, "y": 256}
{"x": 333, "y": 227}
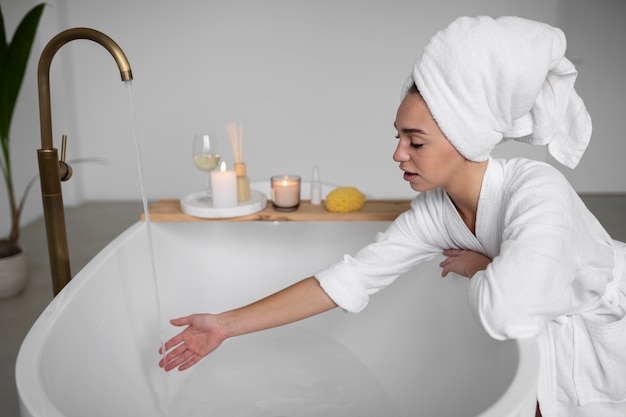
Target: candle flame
{"x": 285, "y": 183}
{"x": 223, "y": 166}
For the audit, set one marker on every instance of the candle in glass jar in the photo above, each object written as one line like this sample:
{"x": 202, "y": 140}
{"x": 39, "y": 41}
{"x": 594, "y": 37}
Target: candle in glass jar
{"x": 286, "y": 192}
{"x": 224, "y": 187}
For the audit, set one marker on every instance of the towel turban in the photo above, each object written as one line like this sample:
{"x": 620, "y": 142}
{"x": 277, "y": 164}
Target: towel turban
{"x": 485, "y": 80}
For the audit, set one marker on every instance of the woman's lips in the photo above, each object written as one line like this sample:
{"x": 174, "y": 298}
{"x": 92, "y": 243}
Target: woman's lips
{"x": 409, "y": 176}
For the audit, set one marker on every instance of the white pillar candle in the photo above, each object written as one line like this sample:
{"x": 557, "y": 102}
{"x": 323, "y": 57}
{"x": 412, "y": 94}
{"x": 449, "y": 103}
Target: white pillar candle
{"x": 224, "y": 187}
{"x": 286, "y": 192}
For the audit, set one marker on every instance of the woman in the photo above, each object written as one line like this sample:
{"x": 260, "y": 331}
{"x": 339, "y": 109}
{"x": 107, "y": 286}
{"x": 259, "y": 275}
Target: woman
{"x": 540, "y": 264}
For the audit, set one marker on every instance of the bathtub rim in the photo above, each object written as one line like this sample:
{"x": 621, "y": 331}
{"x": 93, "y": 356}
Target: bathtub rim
{"x": 517, "y": 396}
{"x": 30, "y": 352}
{"x": 522, "y": 392}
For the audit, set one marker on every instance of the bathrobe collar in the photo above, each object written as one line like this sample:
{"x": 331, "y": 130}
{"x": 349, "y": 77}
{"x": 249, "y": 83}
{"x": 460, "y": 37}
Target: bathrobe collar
{"x": 489, "y": 217}
{"x": 488, "y": 227}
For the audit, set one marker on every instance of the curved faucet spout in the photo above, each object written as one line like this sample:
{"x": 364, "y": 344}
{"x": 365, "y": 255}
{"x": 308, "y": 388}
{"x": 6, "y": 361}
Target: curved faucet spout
{"x": 43, "y": 71}
{"x": 51, "y": 170}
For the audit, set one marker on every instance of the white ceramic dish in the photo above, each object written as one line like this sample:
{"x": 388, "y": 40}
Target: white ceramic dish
{"x": 195, "y": 205}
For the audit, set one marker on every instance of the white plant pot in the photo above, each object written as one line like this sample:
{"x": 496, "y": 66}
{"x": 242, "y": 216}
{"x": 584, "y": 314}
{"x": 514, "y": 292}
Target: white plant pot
{"x": 12, "y": 275}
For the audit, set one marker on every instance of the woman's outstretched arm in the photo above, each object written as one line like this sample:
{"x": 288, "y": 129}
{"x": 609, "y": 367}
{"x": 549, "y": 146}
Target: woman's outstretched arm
{"x": 205, "y": 332}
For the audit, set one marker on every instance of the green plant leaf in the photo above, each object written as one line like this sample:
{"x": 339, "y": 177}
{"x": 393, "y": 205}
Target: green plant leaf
{"x": 3, "y": 43}
{"x": 14, "y": 66}
{"x": 4, "y": 50}
{"x": 13, "y": 60}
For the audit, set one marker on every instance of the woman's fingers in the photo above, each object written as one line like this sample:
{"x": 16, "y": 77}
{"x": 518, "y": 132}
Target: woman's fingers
{"x": 175, "y": 357}
{"x": 176, "y": 340}
{"x": 182, "y": 359}
{"x": 182, "y": 321}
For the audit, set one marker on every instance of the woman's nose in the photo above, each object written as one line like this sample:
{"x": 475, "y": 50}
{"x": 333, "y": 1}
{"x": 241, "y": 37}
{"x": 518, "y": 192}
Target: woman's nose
{"x": 400, "y": 154}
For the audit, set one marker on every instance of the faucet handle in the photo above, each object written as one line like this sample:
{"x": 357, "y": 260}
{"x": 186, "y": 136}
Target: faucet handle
{"x": 65, "y": 171}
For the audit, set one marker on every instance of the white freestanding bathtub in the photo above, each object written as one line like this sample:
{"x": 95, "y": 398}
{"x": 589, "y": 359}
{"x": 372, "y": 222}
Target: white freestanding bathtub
{"x": 416, "y": 350}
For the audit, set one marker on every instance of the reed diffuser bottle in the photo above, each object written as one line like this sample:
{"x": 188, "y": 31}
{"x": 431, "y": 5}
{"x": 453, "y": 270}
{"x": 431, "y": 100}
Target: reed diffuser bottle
{"x": 243, "y": 182}
{"x": 235, "y": 133}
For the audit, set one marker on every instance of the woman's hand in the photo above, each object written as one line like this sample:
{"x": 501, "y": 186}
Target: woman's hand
{"x": 205, "y": 332}
{"x": 202, "y": 336}
{"x": 463, "y": 262}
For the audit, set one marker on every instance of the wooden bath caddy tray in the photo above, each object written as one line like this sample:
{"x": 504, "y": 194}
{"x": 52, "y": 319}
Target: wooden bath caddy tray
{"x": 373, "y": 210}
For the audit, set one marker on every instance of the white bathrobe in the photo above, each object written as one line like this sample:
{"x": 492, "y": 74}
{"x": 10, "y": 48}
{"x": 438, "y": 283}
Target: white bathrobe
{"x": 556, "y": 275}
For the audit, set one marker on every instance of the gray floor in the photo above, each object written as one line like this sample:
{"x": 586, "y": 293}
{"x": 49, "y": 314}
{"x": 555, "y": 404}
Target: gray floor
{"x": 90, "y": 228}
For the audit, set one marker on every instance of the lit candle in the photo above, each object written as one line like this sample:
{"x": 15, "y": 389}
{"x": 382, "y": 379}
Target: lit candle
{"x": 286, "y": 192}
{"x": 224, "y": 187}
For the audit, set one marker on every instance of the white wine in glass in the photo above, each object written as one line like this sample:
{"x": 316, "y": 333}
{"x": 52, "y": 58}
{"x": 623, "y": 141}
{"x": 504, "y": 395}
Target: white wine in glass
{"x": 206, "y": 156}
{"x": 206, "y": 163}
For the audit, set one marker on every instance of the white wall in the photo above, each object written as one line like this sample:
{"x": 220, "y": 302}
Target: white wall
{"x": 596, "y": 36}
{"x": 313, "y": 82}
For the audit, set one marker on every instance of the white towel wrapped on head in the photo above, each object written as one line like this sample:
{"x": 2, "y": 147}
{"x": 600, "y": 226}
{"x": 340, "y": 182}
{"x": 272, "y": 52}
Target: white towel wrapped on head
{"x": 486, "y": 79}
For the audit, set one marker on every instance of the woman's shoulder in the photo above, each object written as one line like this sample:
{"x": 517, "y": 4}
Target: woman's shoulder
{"x": 522, "y": 173}
{"x": 521, "y": 165}
{"x": 528, "y": 183}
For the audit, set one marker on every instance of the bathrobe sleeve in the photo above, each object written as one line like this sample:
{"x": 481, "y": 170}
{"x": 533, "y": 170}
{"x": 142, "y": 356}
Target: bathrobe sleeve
{"x": 552, "y": 262}
{"x": 415, "y": 236}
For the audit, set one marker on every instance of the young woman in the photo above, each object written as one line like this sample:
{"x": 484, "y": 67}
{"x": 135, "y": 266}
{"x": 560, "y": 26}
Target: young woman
{"x": 540, "y": 264}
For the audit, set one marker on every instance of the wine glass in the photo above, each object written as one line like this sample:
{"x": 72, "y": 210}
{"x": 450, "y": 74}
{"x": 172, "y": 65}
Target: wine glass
{"x": 205, "y": 157}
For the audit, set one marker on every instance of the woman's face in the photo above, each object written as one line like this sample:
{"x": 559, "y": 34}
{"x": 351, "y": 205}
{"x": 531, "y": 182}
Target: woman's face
{"x": 425, "y": 155}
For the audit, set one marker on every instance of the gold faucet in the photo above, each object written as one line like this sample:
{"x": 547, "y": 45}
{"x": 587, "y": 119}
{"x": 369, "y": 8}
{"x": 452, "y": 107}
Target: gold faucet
{"x": 52, "y": 170}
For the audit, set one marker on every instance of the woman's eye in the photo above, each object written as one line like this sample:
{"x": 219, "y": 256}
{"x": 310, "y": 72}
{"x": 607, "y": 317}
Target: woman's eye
{"x": 411, "y": 144}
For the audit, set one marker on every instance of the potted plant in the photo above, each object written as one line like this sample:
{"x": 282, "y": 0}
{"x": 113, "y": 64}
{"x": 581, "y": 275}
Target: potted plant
{"x": 13, "y": 59}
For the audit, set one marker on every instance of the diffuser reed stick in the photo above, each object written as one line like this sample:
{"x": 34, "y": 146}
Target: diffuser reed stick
{"x": 235, "y": 134}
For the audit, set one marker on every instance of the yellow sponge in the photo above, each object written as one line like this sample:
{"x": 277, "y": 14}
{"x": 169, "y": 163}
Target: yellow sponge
{"x": 344, "y": 200}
